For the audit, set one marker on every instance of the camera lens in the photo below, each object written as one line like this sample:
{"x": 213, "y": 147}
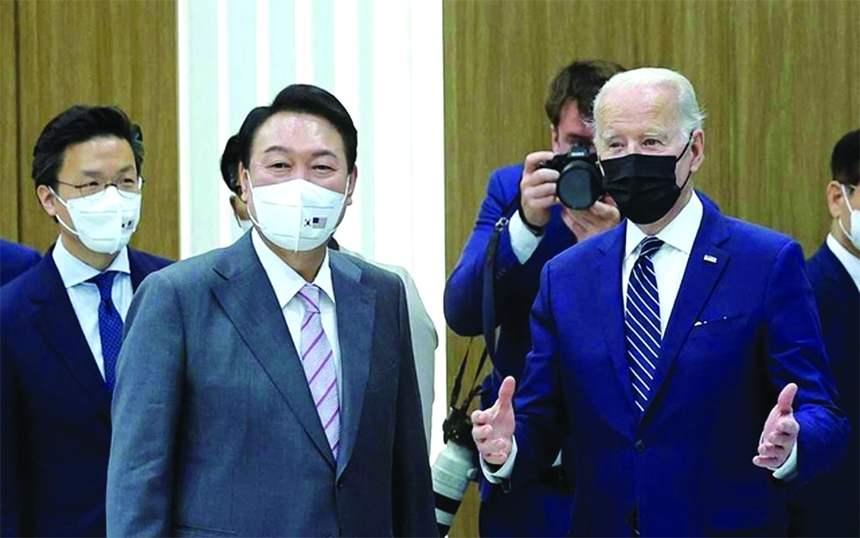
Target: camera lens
{"x": 579, "y": 185}
{"x": 452, "y": 472}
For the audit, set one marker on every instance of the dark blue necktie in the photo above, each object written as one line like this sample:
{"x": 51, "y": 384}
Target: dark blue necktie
{"x": 110, "y": 325}
{"x": 642, "y": 323}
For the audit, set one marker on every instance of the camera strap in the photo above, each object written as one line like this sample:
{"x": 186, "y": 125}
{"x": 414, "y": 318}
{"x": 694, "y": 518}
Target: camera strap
{"x": 458, "y": 381}
{"x": 457, "y": 426}
{"x": 488, "y": 307}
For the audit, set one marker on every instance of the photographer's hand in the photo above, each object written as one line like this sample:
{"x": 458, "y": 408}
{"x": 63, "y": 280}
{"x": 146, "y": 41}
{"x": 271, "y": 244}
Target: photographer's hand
{"x": 537, "y": 189}
{"x": 585, "y": 223}
{"x": 493, "y": 429}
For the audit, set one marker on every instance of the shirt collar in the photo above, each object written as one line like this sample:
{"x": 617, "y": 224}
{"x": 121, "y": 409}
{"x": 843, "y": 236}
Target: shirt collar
{"x": 680, "y": 233}
{"x": 285, "y": 280}
{"x": 848, "y": 260}
{"x": 73, "y": 271}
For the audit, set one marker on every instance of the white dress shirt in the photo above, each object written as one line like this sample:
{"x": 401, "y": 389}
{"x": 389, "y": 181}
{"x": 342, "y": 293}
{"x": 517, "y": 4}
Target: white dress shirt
{"x": 669, "y": 262}
{"x": 287, "y": 283}
{"x": 523, "y": 241}
{"x": 85, "y": 297}
{"x": 850, "y": 262}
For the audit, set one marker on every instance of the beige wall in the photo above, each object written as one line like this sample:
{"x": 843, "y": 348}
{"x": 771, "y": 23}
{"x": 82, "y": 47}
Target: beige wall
{"x": 64, "y": 52}
{"x": 780, "y": 82}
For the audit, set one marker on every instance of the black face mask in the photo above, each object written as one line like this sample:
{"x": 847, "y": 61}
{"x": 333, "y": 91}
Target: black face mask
{"x": 643, "y": 186}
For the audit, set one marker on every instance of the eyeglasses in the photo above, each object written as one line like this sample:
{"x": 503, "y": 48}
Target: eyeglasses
{"x": 126, "y": 187}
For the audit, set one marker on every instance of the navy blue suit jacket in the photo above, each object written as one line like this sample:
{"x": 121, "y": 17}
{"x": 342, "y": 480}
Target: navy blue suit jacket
{"x": 743, "y": 325}
{"x": 15, "y": 259}
{"x": 515, "y": 284}
{"x": 836, "y": 493}
{"x": 56, "y": 429}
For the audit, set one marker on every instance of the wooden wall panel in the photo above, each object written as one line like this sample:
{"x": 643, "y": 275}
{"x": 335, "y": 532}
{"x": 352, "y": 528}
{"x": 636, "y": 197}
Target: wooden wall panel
{"x": 102, "y": 52}
{"x": 780, "y": 82}
{"x": 8, "y": 123}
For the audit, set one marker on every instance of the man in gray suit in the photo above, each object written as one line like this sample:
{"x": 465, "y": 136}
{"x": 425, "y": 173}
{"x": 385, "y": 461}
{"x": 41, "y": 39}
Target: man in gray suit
{"x": 268, "y": 388}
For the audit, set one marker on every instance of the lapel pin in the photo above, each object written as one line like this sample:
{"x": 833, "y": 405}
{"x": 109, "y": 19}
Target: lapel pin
{"x": 710, "y": 259}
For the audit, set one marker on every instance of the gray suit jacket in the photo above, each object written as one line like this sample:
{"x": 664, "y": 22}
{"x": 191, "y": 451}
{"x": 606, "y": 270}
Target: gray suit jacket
{"x": 216, "y": 432}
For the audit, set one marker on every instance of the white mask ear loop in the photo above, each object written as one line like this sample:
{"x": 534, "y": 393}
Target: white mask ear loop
{"x": 345, "y": 196}
{"x": 63, "y": 224}
{"x": 251, "y": 214}
{"x": 845, "y": 196}
{"x": 851, "y": 211}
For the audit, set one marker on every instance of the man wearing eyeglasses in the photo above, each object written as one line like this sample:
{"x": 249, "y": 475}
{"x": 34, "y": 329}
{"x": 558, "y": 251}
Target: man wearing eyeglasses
{"x": 62, "y": 326}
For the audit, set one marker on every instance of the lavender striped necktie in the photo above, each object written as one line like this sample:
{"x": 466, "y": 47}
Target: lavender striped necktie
{"x": 318, "y": 363}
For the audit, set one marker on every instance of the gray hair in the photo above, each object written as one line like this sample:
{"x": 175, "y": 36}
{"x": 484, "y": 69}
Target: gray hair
{"x": 691, "y": 116}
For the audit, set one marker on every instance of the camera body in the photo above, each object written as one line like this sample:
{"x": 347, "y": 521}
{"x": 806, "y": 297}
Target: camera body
{"x": 457, "y": 427}
{"x": 579, "y": 181}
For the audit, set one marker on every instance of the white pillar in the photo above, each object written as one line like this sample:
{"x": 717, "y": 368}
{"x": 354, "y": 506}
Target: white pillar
{"x": 383, "y": 60}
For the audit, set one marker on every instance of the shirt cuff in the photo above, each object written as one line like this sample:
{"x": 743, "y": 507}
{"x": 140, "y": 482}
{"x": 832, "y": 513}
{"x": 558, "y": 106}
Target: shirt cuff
{"x": 503, "y": 473}
{"x": 788, "y": 469}
{"x": 523, "y": 241}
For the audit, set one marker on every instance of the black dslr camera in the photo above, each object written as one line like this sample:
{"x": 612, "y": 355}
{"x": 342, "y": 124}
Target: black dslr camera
{"x": 579, "y": 181}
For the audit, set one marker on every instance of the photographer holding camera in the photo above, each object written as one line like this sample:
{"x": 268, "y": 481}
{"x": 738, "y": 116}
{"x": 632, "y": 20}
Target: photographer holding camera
{"x": 523, "y": 223}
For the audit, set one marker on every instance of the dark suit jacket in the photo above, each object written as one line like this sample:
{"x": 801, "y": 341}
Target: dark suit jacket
{"x": 515, "y": 287}
{"x": 515, "y": 284}
{"x": 529, "y": 511}
{"x": 835, "y": 496}
{"x": 15, "y": 259}
{"x": 743, "y": 326}
{"x": 220, "y": 434}
{"x": 55, "y": 408}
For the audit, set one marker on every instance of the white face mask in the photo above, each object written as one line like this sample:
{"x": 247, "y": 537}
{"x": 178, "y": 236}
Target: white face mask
{"x": 104, "y": 222}
{"x": 854, "y": 234}
{"x": 296, "y": 214}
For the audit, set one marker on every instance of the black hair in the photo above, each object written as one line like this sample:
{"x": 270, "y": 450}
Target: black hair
{"x": 318, "y": 102}
{"x": 245, "y": 137}
{"x": 78, "y": 124}
{"x": 580, "y": 82}
{"x": 230, "y": 164}
{"x": 845, "y": 160}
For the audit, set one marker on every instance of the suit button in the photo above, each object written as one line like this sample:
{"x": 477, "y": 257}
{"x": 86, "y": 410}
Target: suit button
{"x": 340, "y": 484}
{"x": 639, "y": 446}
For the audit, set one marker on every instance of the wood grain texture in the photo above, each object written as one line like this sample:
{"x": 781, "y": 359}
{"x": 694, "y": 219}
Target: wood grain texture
{"x": 100, "y": 52}
{"x": 8, "y": 122}
{"x": 780, "y": 82}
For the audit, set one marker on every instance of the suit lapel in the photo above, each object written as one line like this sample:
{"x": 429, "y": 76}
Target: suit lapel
{"x": 247, "y": 298}
{"x": 840, "y": 281}
{"x": 355, "y": 327}
{"x": 704, "y": 268}
{"x": 59, "y": 324}
{"x": 608, "y": 284}
{"x": 138, "y": 271}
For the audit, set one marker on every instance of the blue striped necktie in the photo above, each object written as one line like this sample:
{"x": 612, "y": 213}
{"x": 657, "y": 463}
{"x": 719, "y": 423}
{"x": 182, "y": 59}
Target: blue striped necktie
{"x": 110, "y": 325}
{"x": 642, "y": 323}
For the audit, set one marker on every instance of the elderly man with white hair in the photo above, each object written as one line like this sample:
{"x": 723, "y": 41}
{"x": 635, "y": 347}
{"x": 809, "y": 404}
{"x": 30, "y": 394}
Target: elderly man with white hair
{"x": 681, "y": 349}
